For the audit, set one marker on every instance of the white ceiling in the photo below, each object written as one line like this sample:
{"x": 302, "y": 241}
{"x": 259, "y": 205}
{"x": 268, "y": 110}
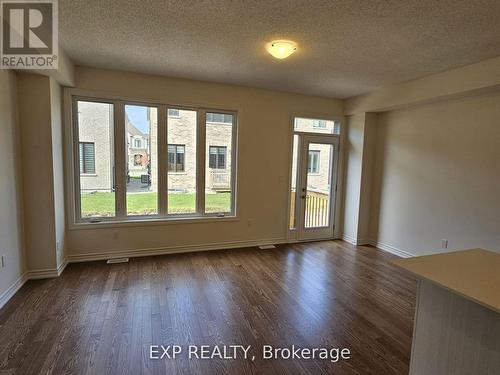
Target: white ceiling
{"x": 346, "y": 47}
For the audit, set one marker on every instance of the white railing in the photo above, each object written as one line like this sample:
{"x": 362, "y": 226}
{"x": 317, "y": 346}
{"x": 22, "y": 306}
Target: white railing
{"x": 219, "y": 180}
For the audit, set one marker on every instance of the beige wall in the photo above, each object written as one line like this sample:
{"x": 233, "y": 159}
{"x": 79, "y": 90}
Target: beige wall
{"x": 369, "y": 134}
{"x": 35, "y": 122}
{"x": 265, "y": 129}
{"x": 353, "y": 146}
{"x": 437, "y": 176}
{"x": 58, "y": 169}
{"x": 11, "y": 243}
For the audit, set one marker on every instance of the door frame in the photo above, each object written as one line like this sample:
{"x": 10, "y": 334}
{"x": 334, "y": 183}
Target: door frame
{"x": 292, "y": 235}
{"x": 315, "y": 233}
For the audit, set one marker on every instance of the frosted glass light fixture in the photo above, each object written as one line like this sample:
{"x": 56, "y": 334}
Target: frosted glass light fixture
{"x": 281, "y": 49}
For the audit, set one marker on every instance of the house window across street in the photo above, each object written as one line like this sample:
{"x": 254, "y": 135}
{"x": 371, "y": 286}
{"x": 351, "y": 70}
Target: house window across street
{"x": 176, "y": 155}
{"x": 173, "y": 112}
{"x": 217, "y": 155}
{"x": 313, "y": 164}
{"x": 87, "y": 157}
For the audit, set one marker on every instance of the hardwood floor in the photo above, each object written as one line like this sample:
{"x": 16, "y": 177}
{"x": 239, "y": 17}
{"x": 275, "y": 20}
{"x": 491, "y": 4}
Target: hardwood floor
{"x": 101, "y": 319}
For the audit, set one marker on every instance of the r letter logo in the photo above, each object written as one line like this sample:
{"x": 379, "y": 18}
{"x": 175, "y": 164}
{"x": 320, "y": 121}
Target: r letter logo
{"x": 29, "y": 34}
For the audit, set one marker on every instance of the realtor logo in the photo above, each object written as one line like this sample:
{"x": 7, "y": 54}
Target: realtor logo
{"x": 29, "y": 34}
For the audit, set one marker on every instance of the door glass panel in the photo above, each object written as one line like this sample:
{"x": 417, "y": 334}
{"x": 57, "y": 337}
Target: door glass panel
{"x": 182, "y": 153}
{"x": 319, "y": 177}
{"x": 141, "y": 162}
{"x": 293, "y": 187}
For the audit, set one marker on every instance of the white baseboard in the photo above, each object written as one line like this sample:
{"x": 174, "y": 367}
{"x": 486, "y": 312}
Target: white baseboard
{"x": 32, "y": 275}
{"x": 48, "y": 272}
{"x": 390, "y": 249}
{"x": 379, "y": 245}
{"x": 350, "y": 239}
{"x": 364, "y": 241}
{"x": 9, "y": 293}
{"x": 171, "y": 250}
{"x": 62, "y": 266}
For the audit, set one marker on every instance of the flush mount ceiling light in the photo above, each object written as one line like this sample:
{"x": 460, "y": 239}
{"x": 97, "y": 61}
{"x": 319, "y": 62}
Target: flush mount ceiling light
{"x": 281, "y": 49}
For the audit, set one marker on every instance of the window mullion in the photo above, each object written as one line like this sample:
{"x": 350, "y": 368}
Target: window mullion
{"x": 162, "y": 160}
{"x": 200, "y": 162}
{"x": 120, "y": 162}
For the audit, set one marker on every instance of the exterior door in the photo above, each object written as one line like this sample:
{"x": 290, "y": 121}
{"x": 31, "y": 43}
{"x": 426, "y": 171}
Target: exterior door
{"x": 316, "y": 186}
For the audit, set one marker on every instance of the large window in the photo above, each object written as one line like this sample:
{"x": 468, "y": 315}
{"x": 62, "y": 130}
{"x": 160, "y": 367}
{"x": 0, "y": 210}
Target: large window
{"x": 160, "y": 169}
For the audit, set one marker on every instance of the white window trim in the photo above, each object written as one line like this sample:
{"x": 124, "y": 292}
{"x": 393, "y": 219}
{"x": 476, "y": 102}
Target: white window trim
{"x": 72, "y": 95}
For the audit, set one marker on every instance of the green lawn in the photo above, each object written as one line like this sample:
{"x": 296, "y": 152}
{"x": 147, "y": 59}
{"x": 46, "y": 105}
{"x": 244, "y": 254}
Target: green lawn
{"x": 103, "y": 204}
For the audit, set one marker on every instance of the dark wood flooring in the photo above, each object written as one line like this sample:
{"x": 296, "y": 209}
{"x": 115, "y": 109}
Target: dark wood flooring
{"x": 100, "y": 319}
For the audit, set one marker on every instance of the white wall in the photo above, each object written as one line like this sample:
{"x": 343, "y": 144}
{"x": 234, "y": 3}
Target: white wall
{"x": 11, "y": 244}
{"x": 35, "y": 125}
{"x": 58, "y": 169}
{"x": 437, "y": 176}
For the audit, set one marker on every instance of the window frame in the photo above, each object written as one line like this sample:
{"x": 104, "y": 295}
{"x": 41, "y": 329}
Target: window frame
{"x": 74, "y": 219}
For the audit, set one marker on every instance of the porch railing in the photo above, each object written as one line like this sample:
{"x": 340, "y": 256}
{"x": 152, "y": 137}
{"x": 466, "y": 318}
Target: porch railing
{"x": 219, "y": 180}
{"x": 317, "y": 210}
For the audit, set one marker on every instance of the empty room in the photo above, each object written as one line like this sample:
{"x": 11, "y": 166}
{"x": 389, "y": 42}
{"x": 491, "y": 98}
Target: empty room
{"x": 250, "y": 187}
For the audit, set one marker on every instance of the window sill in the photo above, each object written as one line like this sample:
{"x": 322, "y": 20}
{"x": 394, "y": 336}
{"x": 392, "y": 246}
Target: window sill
{"x": 132, "y": 222}
{"x": 88, "y": 174}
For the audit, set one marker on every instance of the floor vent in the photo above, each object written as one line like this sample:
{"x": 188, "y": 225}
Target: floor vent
{"x": 117, "y": 260}
{"x": 265, "y": 247}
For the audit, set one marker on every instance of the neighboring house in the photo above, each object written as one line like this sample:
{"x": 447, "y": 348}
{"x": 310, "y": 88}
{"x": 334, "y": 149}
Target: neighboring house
{"x": 138, "y": 148}
{"x": 95, "y": 124}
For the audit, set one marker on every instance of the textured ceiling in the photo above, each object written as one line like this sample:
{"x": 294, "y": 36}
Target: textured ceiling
{"x": 345, "y": 47}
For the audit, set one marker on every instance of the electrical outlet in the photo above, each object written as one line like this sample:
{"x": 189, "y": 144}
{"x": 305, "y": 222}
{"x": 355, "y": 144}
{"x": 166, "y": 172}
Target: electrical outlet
{"x": 249, "y": 222}
{"x": 444, "y": 244}
{"x": 58, "y": 247}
